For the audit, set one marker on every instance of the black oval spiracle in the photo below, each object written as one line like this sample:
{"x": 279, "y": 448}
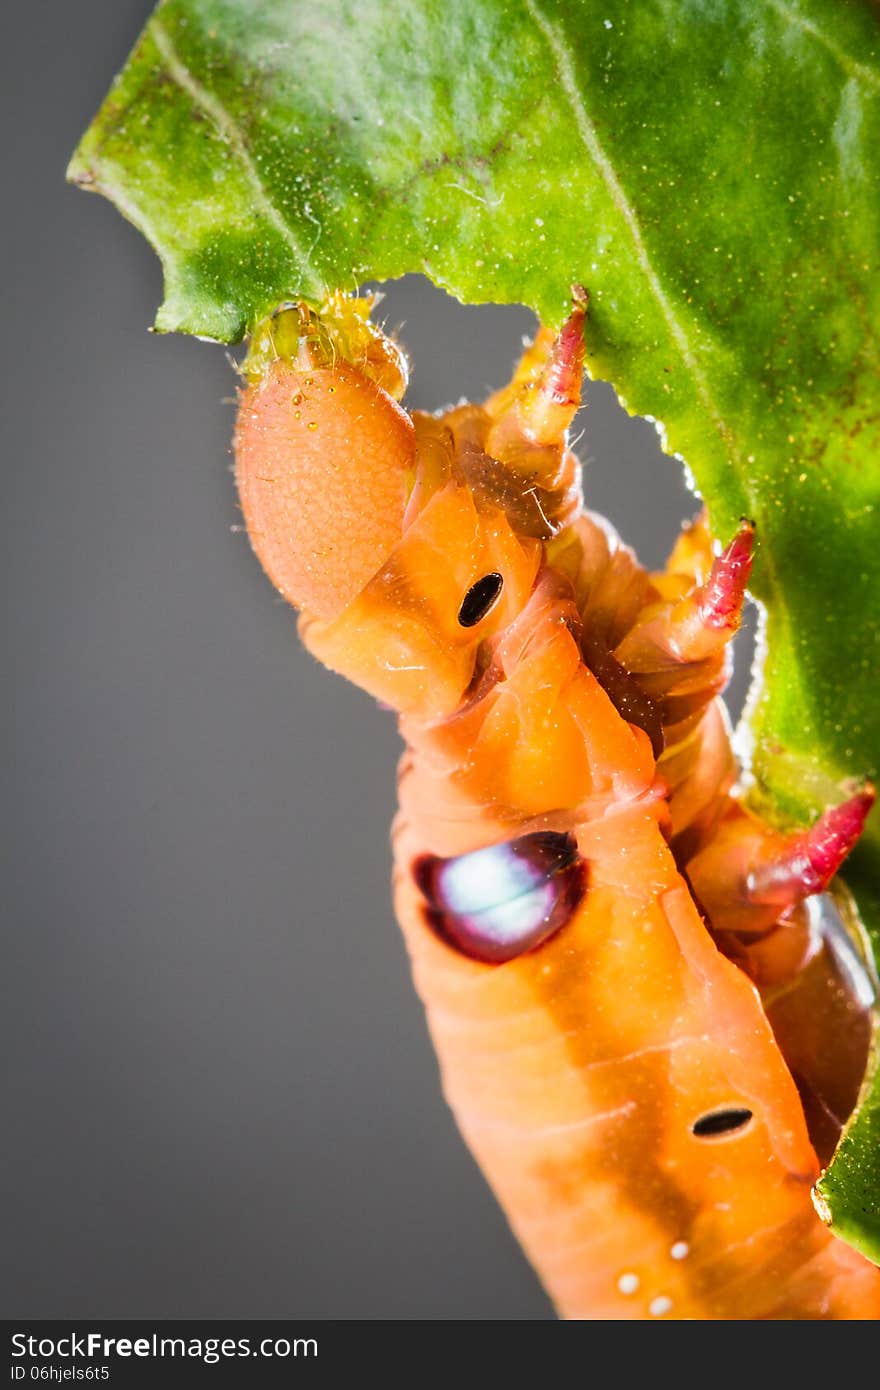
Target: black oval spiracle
{"x": 717, "y": 1122}
{"x": 480, "y": 599}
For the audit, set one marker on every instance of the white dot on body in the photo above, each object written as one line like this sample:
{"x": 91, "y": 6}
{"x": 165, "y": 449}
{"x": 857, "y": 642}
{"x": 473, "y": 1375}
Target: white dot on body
{"x": 628, "y": 1283}
{"x": 659, "y": 1306}
{"x": 680, "y": 1250}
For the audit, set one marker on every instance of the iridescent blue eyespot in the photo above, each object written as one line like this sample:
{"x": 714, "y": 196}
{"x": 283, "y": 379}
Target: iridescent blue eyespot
{"x": 496, "y": 903}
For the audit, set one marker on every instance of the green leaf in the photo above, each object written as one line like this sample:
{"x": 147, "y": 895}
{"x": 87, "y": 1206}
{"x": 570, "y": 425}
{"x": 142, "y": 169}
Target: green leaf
{"x": 707, "y": 168}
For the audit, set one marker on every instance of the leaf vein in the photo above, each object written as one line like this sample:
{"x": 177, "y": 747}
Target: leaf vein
{"x": 230, "y": 133}
{"x": 590, "y": 139}
{"x": 857, "y": 70}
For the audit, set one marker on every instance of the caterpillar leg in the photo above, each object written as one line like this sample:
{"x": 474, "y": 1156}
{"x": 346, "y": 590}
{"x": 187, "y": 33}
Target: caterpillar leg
{"x": 750, "y": 875}
{"x": 697, "y": 765}
{"x": 695, "y": 630}
{"x": 536, "y": 409}
{"x": 674, "y": 654}
{"x": 661, "y": 639}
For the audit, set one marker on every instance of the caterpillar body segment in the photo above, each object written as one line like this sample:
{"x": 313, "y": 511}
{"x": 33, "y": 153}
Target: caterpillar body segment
{"x": 650, "y": 1028}
{"x": 578, "y": 1072}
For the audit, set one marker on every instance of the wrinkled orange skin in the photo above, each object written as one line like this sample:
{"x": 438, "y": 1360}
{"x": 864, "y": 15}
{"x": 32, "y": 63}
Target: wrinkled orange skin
{"x": 576, "y": 1070}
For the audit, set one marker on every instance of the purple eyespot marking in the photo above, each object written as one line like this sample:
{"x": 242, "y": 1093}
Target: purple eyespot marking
{"x": 497, "y": 903}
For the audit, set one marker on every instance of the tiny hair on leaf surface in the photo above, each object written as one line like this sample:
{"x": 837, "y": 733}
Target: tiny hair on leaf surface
{"x": 708, "y": 173}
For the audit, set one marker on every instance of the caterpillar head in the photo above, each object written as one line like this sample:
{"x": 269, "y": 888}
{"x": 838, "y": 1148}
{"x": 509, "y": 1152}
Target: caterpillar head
{"x": 408, "y": 542}
{"x": 324, "y": 454}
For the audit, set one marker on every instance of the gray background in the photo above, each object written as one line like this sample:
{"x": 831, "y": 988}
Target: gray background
{"x": 221, "y": 1101}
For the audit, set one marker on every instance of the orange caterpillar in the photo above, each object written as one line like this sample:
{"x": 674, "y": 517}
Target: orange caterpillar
{"x": 651, "y": 1019}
